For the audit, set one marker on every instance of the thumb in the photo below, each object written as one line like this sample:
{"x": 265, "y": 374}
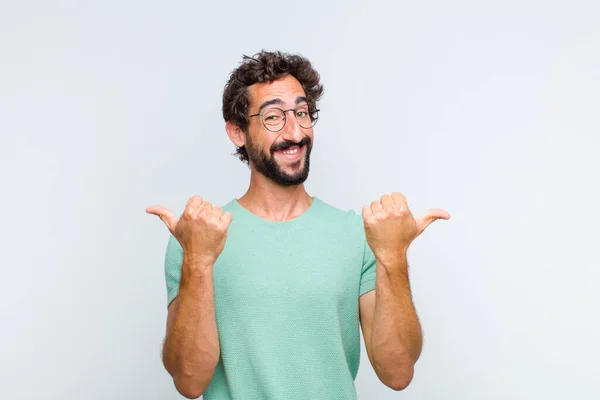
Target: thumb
{"x": 165, "y": 215}
{"x": 429, "y": 216}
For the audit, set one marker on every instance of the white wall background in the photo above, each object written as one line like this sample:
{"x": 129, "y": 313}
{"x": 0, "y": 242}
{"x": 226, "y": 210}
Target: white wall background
{"x": 490, "y": 111}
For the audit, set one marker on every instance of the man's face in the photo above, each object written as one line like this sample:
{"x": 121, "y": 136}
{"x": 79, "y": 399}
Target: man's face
{"x": 282, "y": 156}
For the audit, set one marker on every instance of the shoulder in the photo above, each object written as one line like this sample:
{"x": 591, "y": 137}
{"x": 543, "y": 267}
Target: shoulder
{"x": 348, "y": 218}
{"x": 325, "y": 206}
{"x": 343, "y": 226}
{"x": 174, "y": 249}
{"x": 229, "y": 206}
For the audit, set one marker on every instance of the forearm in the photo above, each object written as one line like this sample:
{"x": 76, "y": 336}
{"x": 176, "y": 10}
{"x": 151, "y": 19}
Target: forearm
{"x": 396, "y": 337}
{"x": 191, "y": 350}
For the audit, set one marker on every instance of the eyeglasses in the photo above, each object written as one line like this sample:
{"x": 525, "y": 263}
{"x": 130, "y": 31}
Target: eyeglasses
{"x": 274, "y": 118}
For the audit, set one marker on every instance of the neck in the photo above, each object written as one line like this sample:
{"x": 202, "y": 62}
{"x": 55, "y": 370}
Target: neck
{"x": 274, "y": 202}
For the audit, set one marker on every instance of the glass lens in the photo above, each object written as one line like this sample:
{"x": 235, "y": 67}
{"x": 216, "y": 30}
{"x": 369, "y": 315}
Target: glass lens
{"x": 273, "y": 118}
{"x": 303, "y": 116}
{"x": 313, "y": 116}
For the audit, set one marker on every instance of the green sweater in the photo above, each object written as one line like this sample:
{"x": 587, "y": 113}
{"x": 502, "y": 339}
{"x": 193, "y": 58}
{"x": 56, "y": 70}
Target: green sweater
{"x": 286, "y": 304}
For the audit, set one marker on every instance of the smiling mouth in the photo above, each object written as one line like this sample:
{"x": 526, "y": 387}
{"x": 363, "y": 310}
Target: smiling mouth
{"x": 291, "y": 152}
{"x": 291, "y": 149}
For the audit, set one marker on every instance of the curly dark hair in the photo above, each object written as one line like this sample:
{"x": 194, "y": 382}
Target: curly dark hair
{"x": 266, "y": 67}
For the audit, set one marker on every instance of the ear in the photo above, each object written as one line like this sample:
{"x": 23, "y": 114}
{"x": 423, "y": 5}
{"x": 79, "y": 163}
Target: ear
{"x": 235, "y": 133}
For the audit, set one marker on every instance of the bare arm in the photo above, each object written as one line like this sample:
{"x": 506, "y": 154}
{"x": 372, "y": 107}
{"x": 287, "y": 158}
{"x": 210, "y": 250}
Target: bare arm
{"x": 390, "y": 324}
{"x": 391, "y": 327}
{"x": 191, "y": 349}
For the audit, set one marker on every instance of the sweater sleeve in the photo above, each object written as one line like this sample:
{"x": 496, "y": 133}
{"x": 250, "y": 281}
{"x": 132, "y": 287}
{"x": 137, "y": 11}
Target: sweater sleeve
{"x": 173, "y": 262}
{"x": 367, "y": 276}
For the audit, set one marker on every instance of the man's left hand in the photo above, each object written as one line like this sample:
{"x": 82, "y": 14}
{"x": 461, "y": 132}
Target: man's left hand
{"x": 390, "y": 226}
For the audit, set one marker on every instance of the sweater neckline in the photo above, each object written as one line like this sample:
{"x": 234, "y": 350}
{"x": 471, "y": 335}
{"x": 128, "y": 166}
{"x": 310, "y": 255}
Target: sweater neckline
{"x": 262, "y": 221}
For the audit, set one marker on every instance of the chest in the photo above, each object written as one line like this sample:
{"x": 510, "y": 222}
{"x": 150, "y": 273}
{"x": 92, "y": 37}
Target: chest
{"x": 288, "y": 270}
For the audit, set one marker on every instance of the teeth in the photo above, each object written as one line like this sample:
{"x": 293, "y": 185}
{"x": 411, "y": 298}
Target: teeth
{"x": 290, "y": 151}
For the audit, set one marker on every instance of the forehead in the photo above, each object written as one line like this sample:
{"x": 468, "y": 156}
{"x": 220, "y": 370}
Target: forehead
{"x": 287, "y": 89}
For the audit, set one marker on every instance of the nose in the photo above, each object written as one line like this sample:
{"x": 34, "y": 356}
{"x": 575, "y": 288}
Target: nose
{"x": 292, "y": 130}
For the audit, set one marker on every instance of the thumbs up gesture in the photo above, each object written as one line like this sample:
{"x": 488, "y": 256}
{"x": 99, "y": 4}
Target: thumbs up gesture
{"x": 390, "y": 226}
{"x": 201, "y": 230}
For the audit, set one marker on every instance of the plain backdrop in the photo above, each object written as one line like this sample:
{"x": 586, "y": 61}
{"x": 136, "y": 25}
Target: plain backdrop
{"x": 489, "y": 110}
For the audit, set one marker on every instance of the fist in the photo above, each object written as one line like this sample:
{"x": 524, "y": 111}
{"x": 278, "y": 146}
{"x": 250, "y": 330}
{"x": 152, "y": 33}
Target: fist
{"x": 390, "y": 226}
{"x": 201, "y": 230}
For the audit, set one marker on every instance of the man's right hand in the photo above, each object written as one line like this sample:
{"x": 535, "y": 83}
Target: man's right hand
{"x": 201, "y": 230}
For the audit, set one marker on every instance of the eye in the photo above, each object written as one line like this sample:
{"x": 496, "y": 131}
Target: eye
{"x": 302, "y": 114}
{"x": 272, "y": 116}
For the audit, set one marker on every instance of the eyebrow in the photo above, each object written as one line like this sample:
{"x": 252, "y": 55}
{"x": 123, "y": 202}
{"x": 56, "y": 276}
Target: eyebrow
{"x": 301, "y": 99}
{"x": 278, "y": 101}
{"x": 269, "y": 102}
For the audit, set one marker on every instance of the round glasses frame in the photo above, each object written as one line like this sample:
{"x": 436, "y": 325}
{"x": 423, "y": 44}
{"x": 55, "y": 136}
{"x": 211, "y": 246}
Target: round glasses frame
{"x": 314, "y": 117}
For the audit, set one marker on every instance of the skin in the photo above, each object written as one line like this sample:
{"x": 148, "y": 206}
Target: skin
{"x": 388, "y": 319}
{"x": 191, "y": 348}
{"x": 264, "y": 197}
{"x": 390, "y": 325}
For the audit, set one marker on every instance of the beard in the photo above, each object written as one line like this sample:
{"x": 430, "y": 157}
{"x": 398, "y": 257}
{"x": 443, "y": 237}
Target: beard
{"x": 267, "y": 164}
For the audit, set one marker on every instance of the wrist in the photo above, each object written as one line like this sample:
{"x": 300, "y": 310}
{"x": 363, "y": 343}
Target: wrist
{"x": 197, "y": 265}
{"x": 392, "y": 257}
{"x": 393, "y": 263}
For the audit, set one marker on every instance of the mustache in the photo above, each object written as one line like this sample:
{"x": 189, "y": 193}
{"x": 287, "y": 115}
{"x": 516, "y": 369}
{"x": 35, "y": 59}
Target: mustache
{"x": 286, "y": 144}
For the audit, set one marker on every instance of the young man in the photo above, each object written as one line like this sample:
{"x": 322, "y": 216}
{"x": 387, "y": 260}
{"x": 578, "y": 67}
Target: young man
{"x": 266, "y": 294}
